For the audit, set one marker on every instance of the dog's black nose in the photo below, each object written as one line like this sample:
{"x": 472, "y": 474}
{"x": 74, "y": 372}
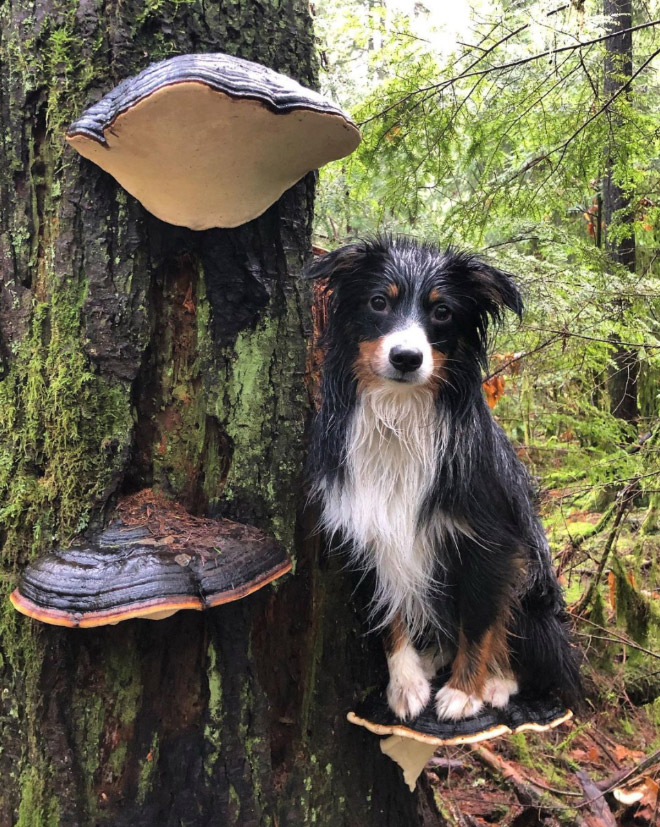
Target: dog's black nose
{"x": 406, "y": 359}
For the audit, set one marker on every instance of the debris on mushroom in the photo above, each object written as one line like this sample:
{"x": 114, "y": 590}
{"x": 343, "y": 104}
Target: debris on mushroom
{"x": 211, "y": 140}
{"x": 411, "y": 744}
{"x": 153, "y": 560}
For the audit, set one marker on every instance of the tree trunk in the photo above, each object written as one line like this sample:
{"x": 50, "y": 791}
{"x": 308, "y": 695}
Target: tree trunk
{"x": 136, "y": 354}
{"x": 622, "y": 384}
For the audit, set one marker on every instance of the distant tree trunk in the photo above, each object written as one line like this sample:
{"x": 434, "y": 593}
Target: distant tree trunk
{"x": 135, "y": 354}
{"x": 624, "y": 372}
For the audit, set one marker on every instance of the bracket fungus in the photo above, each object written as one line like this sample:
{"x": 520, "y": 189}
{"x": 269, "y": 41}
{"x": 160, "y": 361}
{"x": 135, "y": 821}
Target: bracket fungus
{"x": 211, "y": 140}
{"x": 411, "y": 744}
{"x": 153, "y": 560}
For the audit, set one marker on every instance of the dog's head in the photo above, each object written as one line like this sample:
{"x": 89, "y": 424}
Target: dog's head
{"x": 409, "y": 314}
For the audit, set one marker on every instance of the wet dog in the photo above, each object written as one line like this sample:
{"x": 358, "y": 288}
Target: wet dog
{"x": 423, "y": 487}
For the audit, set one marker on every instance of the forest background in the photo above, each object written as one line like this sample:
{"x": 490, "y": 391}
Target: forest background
{"x": 531, "y": 134}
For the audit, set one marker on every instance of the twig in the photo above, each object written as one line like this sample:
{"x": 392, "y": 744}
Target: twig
{"x": 625, "y": 501}
{"x": 598, "y": 738}
{"x": 590, "y": 338}
{"x": 441, "y": 85}
{"x": 621, "y": 638}
{"x": 525, "y": 789}
{"x": 596, "y": 529}
{"x": 563, "y": 147}
{"x": 520, "y": 356}
{"x": 437, "y": 763}
{"x": 608, "y": 785}
{"x": 543, "y": 786}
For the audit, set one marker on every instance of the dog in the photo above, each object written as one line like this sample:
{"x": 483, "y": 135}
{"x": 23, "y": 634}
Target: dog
{"x": 419, "y": 482}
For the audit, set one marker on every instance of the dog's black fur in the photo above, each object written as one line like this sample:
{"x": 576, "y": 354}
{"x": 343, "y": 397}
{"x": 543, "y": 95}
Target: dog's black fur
{"x": 500, "y": 566}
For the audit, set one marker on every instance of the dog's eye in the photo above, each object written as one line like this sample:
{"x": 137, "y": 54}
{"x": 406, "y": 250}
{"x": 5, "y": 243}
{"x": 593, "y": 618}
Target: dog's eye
{"x": 441, "y": 313}
{"x": 379, "y": 304}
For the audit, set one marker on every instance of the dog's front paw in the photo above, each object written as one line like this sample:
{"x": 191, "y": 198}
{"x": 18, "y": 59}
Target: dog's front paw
{"x": 408, "y": 694}
{"x": 498, "y": 690}
{"x": 453, "y": 704}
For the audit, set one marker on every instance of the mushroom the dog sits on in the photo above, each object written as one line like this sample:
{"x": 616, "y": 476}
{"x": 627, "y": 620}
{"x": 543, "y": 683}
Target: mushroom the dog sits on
{"x": 420, "y": 483}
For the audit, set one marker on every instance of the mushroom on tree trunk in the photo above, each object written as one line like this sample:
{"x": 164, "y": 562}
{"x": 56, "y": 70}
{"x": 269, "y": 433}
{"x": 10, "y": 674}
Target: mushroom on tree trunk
{"x": 211, "y": 140}
{"x": 153, "y": 560}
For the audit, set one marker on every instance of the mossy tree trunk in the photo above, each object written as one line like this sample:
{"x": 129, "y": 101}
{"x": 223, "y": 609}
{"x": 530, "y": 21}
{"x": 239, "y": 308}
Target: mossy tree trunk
{"x": 136, "y": 354}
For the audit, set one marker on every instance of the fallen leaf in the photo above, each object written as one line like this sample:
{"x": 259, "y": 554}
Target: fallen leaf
{"x": 622, "y": 753}
{"x": 494, "y": 390}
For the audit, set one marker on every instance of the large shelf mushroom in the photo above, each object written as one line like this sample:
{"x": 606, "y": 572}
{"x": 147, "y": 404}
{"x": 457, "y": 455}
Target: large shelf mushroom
{"x": 153, "y": 560}
{"x": 412, "y": 743}
{"x": 211, "y": 140}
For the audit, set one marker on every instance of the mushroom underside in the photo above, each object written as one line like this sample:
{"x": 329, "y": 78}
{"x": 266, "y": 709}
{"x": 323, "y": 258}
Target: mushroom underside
{"x": 210, "y": 140}
{"x": 153, "y": 560}
{"x": 411, "y": 744}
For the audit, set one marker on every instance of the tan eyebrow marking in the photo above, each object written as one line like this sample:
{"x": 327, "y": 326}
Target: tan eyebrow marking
{"x": 392, "y": 291}
{"x": 435, "y": 295}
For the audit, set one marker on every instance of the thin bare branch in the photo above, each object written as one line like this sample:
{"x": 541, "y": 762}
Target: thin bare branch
{"x": 441, "y": 85}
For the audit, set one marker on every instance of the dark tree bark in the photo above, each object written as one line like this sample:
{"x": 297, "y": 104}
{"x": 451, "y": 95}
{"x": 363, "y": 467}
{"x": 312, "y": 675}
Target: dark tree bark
{"x": 622, "y": 384}
{"x": 136, "y": 354}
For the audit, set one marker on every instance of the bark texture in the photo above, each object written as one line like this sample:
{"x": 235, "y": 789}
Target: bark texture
{"x": 624, "y": 373}
{"x": 133, "y": 353}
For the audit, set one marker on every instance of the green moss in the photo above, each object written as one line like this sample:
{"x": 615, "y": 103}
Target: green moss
{"x": 626, "y": 726}
{"x": 262, "y": 411}
{"x": 573, "y": 591}
{"x": 653, "y": 711}
{"x": 62, "y": 429}
{"x": 88, "y": 718}
{"x": 213, "y": 728}
{"x": 579, "y": 529}
{"x": 234, "y": 805}
{"x": 521, "y": 749}
{"x": 562, "y": 748}
{"x": 37, "y": 808}
{"x": 117, "y": 759}
{"x": 253, "y": 745}
{"x": 123, "y": 681}
{"x": 148, "y": 770}
{"x": 215, "y": 684}
{"x": 249, "y": 399}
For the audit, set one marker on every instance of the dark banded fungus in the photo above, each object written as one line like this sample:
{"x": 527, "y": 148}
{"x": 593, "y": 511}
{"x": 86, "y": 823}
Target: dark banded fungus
{"x": 412, "y": 743}
{"x": 153, "y": 560}
{"x": 211, "y": 140}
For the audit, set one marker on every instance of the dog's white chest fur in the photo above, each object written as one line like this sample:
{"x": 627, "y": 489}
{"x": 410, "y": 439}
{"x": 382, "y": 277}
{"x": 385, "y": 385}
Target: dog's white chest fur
{"x": 392, "y": 446}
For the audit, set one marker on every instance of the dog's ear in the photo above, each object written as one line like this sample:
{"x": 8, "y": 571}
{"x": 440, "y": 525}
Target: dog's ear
{"x": 497, "y": 288}
{"x": 344, "y": 261}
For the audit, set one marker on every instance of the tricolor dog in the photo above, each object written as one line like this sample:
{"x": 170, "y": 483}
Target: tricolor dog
{"x": 422, "y": 486}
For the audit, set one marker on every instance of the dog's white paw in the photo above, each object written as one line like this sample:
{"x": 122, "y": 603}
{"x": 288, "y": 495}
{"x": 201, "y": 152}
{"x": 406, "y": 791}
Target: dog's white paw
{"x": 453, "y": 704}
{"x": 408, "y": 691}
{"x": 498, "y": 690}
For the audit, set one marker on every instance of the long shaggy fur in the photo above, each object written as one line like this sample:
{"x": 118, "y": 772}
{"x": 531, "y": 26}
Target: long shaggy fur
{"x": 418, "y": 480}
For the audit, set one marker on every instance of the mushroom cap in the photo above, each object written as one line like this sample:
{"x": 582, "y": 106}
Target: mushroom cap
{"x": 525, "y": 711}
{"x": 152, "y": 561}
{"x": 211, "y": 140}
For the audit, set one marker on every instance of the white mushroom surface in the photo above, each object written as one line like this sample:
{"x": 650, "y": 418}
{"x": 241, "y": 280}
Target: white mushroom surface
{"x": 211, "y": 140}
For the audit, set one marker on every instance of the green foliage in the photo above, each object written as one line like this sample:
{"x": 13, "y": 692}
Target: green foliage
{"x": 499, "y": 136}
{"x": 510, "y": 161}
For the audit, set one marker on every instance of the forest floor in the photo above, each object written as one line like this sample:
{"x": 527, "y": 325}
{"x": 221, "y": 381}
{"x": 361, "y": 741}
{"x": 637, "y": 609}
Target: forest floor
{"x": 602, "y": 769}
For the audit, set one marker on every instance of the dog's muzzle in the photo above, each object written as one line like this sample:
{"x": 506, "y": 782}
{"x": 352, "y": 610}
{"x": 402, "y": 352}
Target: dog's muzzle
{"x": 406, "y": 359}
